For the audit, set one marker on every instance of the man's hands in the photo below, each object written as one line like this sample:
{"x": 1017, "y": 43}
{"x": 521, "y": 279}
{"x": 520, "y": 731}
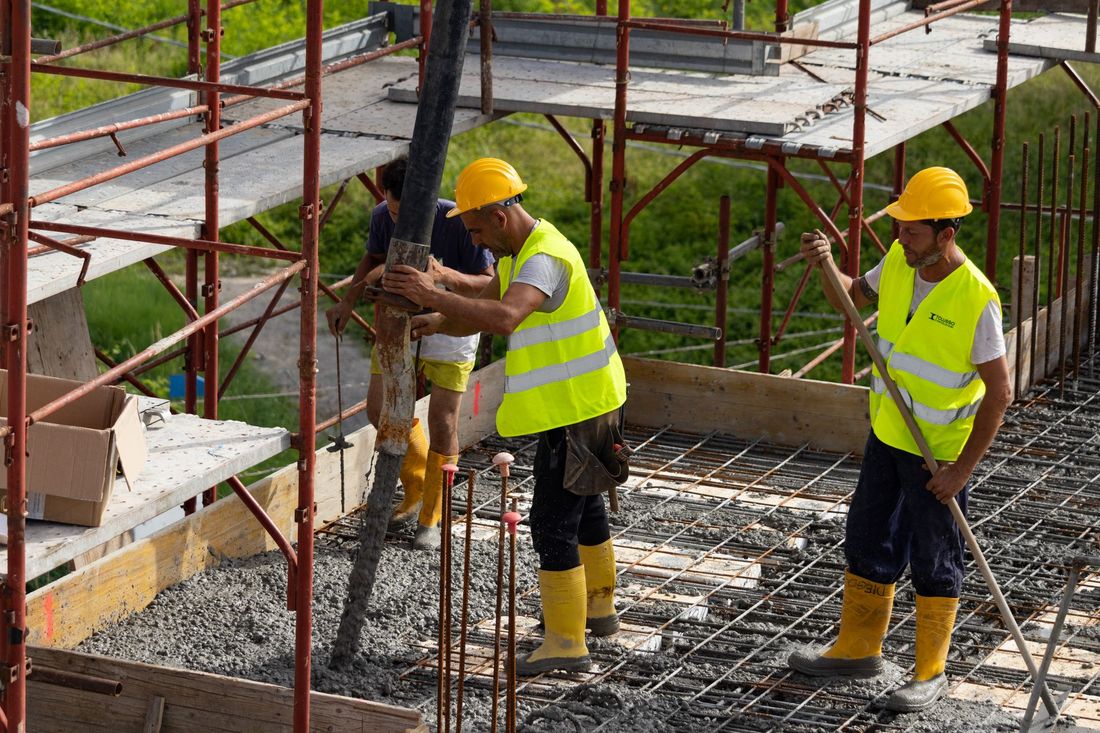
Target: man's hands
{"x": 413, "y": 284}
{"x": 948, "y": 481}
{"x": 338, "y": 317}
{"x": 425, "y": 325}
{"x": 815, "y": 248}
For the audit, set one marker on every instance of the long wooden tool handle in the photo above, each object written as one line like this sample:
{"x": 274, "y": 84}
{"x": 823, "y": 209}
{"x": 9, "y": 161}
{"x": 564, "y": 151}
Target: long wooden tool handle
{"x": 833, "y": 276}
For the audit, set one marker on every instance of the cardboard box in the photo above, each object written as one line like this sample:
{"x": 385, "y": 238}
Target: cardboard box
{"x": 75, "y": 453}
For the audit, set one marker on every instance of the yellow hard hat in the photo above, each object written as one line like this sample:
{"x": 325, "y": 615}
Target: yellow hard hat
{"x": 486, "y": 181}
{"x": 933, "y": 193}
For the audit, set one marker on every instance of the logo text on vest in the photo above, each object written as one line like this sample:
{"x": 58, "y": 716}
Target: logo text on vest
{"x": 941, "y": 320}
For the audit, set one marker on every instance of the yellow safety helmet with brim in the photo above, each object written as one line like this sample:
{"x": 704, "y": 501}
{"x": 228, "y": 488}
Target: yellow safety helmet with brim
{"x": 486, "y": 181}
{"x": 933, "y": 193}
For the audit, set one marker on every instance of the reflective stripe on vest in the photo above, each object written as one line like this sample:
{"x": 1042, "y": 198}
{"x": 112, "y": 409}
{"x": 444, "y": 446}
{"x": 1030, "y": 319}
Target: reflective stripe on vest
{"x": 922, "y": 411}
{"x": 561, "y": 367}
{"x": 927, "y": 354}
{"x": 932, "y": 372}
{"x": 561, "y": 372}
{"x": 555, "y": 331}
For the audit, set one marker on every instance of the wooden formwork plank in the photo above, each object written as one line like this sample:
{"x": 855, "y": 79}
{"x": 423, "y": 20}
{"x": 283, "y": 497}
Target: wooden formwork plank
{"x": 60, "y": 345}
{"x": 787, "y": 411}
{"x": 193, "y": 701}
{"x": 1047, "y": 362}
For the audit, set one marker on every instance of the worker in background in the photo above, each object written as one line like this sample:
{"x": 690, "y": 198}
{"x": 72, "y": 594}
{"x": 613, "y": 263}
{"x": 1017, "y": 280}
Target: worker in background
{"x": 939, "y": 329}
{"x": 458, "y": 265}
{"x": 564, "y": 381}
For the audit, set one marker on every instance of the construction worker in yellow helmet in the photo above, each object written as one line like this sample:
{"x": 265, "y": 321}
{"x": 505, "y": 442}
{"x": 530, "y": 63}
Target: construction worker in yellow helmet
{"x": 939, "y": 329}
{"x": 564, "y": 381}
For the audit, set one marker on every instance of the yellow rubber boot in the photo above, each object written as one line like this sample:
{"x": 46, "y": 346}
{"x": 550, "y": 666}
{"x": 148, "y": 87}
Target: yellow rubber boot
{"x": 412, "y": 475}
{"x": 431, "y": 510}
{"x": 858, "y": 646}
{"x": 564, "y": 602}
{"x": 935, "y": 620}
{"x": 599, "y": 580}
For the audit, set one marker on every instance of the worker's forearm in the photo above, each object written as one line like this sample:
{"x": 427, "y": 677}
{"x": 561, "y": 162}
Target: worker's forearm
{"x": 471, "y": 315}
{"x": 451, "y": 327}
{"x": 358, "y": 282}
{"x": 987, "y": 422}
{"x": 830, "y": 294}
{"x": 466, "y": 284}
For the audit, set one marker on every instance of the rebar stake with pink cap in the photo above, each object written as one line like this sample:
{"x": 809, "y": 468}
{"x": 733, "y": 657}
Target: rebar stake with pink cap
{"x": 503, "y": 462}
{"x": 443, "y": 712}
{"x": 511, "y": 519}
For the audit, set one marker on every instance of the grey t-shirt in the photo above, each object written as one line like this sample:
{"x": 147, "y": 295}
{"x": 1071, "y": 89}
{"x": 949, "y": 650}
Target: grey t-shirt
{"x": 547, "y": 273}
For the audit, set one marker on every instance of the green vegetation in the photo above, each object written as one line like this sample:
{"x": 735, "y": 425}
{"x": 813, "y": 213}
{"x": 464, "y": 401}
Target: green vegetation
{"x": 678, "y": 230}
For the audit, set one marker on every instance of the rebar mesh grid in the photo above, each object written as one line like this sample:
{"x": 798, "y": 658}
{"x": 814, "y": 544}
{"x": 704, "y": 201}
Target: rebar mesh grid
{"x": 730, "y": 555}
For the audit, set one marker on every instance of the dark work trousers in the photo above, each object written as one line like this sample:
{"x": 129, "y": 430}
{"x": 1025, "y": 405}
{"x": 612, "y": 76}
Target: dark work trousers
{"x": 894, "y": 521}
{"x": 560, "y": 519}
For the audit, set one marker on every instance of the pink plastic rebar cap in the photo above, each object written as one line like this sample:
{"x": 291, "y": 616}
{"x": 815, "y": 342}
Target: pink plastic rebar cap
{"x": 449, "y": 470}
{"x": 511, "y": 519}
{"x": 502, "y": 461}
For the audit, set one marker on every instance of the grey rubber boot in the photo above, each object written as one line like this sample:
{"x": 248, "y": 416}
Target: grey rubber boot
{"x": 810, "y": 661}
{"x": 605, "y": 626}
{"x": 426, "y": 538}
{"x": 399, "y": 519}
{"x": 527, "y": 668}
{"x": 914, "y": 695}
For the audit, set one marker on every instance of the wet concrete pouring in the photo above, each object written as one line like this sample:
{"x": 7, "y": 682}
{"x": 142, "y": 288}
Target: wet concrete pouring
{"x": 730, "y": 557}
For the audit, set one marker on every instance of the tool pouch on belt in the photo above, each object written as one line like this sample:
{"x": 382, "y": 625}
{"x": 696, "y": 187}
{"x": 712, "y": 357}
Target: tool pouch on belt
{"x": 595, "y": 457}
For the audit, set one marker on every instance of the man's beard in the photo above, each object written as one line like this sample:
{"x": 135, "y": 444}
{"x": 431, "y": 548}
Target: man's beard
{"x": 929, "y": 259}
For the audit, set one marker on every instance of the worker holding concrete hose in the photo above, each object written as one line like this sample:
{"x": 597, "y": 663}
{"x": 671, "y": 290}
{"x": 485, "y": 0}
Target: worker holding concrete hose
{"x": 939, "y": 329}
{"x": 457, "y": 264}
{"x": 564, "y": 381}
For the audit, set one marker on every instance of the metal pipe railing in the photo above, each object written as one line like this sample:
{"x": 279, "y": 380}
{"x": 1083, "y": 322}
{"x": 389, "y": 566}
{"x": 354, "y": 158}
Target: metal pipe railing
{"x": 105, "y": 130}
{"x": 742, "y": 35}
{"x": 165, "y": 81}
{"x": 163, "y": 239}
{"x": 185, "y": 147}
{"x": 158, "y": 346}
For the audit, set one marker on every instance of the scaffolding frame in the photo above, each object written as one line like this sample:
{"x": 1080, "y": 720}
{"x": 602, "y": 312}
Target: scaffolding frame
{"x": 850, "y": 193}
{"x": 201, "y": 334}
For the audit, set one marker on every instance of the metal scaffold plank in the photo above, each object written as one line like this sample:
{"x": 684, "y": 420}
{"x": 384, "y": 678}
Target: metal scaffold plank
{"x": 954, "y": 51}
{"x": 181, "y": 174}
{"x": 185, "y": 457}
{"x": 54, "y": 272}
{"x": 1058, "y": 36}
{"x": 257, "y": 180}
{"x": 765, "y": 105}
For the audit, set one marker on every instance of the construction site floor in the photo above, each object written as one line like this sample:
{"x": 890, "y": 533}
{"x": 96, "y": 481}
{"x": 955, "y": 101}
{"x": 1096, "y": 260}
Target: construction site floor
{"x": 729, "y": 556}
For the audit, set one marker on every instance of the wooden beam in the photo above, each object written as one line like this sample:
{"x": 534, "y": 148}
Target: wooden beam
{"x": 192, "y": 701}
{"x": 791, "y": 412}
{"x": 60, "y": 345}
{"x": 154, "y": 715}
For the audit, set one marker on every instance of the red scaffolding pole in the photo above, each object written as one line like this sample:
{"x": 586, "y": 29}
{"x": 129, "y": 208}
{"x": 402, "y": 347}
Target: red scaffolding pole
{"x": 775, "y": 153}
{"x": 13, "y": 240}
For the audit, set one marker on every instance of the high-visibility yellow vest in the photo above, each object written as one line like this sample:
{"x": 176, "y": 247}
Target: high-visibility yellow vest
{"x": 928, "y": 356}
{"x": 561, "y": 367}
